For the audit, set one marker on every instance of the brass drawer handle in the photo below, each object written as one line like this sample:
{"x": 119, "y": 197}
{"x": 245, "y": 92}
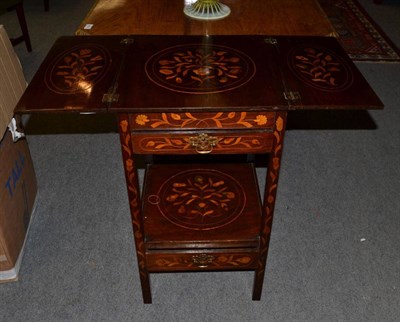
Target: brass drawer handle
{"x": 202, "y": 260}
{"x": 203, "y": 143}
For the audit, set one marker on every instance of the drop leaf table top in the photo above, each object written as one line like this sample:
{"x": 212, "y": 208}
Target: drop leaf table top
{"x": 195, "y": 73}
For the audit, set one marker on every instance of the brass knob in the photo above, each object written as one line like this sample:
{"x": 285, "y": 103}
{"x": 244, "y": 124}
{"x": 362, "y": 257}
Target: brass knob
{"x": 203, "y": 143}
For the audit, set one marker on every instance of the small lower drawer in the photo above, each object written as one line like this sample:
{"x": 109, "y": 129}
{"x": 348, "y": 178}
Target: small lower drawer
{"x": 158, "y": 262}
{"x": 202, "y": 143}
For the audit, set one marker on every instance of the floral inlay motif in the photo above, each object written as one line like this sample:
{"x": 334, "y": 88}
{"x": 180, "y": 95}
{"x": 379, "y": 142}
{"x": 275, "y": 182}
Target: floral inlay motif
{"x": 162, "y": 144}
{"x": 200, "y": 68}
{"x": 77, "y": 70}
{"x": 200, "y": 196}
{"x": 321, "y": 68}
{"x": 218, "y": 120}
{"x": 201, "y": 199}
{"x": 135, "y": 204}
{"x": 269, "y": 201}
{"x": 215, "y": 261}
{"x": 261, "y": 119}
{"x": 141, "y": 119}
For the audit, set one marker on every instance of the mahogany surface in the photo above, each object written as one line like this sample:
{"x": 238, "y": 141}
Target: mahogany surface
{"x": 74, "y": 76}
{"x": 272, "y": 17}
{"x": 196, "y": 74}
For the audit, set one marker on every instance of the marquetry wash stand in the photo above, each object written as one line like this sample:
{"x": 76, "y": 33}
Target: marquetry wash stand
{"x": 210, "y": 96}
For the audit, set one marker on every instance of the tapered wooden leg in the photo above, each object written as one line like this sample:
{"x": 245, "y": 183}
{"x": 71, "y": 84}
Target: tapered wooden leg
{"x": 271, "y": 187}
{"x": 145, "y": 284}
{"x": 46, "y": 5}
{"x": 132, "y": 183}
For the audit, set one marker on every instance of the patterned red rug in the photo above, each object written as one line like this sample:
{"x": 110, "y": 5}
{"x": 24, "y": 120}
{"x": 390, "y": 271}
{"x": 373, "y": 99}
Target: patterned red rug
{"x": 359, "y": 35}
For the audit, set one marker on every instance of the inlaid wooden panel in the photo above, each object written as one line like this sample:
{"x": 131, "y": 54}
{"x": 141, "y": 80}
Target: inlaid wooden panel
{"x": 289, "y": 73}
{"x": 238, "y": 260}
{"x": 201, "y": 142}
{"x": 182, "y": 76}
{"x": 194, "y": 121}
{"x": 74, "y": 76}
{"x": 320, "y": 71}
{"x": 200, "y": 68}
{"x": 320, "y": 68}
{"x": 78, "y": 69}
{"x": 201, "y": 205}
{"x": 199, "y": 74}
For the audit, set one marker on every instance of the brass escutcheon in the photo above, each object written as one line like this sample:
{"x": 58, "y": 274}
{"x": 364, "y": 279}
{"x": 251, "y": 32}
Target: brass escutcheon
{"x": 202, "y": 260}
{"x": 203, "y": 143}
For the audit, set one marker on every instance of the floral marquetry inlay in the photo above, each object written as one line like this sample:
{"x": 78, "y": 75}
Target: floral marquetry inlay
{"x": 78, "y": 69}
{"x": 202, "y": 120}
{"x": 201, "y": 199}
{"x": 204, "y": 261}
{"x": 175, "y": 144}
{"x": 200, "y": 68}
{"x": 320, "y": 68}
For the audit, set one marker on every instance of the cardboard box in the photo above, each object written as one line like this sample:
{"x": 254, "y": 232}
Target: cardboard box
{"x": 18, "y": 187}
{"x": 12, "y": 80}
{"x": 18, "y": 191}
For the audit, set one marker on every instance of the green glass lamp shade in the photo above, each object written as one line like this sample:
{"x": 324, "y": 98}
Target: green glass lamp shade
{"x": 207, "y": 10}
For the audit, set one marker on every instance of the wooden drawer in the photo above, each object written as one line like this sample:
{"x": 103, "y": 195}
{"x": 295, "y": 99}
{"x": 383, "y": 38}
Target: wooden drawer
{"x": 238, "y": 260}
{"x": 193, "y": 121}
{"x": 201, "y": 142}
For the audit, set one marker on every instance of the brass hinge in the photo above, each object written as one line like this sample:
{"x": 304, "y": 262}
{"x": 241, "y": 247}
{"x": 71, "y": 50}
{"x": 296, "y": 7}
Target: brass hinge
{"x": 292, "y": 97}
{"x": 127, "y": 41}
{"x": 110, "y": 98}
{"x": 271, "y": 41}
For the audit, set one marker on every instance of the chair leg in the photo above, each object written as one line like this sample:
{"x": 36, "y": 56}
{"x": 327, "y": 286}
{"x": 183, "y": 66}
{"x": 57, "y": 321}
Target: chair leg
{"x": 46, "y": 5}
{"x": 25, "y": 33}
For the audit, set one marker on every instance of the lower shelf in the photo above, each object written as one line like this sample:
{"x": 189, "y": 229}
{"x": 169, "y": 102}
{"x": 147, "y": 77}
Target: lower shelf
{"x": 191, "y": 207}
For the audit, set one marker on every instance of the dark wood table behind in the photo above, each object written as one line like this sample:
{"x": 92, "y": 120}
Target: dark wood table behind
{"x": 158, "y": 17}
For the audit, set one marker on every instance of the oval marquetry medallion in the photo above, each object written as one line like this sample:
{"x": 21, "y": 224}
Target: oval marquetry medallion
{"x": 320, "y": 68}
{"x": 200, "y": 68}
{"x": 78, "y": 69}
{"x": 201, "y": 199}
